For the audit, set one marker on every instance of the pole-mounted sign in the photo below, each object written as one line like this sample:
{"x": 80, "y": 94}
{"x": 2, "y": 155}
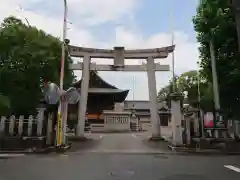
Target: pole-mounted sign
{"x": 52, "y": 93}
{"x": 52, "y": 96}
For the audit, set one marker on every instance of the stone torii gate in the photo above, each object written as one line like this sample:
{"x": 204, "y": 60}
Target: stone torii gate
{"x": 119, "y": 54}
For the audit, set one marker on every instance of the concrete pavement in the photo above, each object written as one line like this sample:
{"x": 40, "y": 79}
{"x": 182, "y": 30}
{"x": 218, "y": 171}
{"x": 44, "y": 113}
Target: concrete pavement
{"x": 121, "y": 143}
{"x": 108, "y": 166}
{"x": 119, "y": 156}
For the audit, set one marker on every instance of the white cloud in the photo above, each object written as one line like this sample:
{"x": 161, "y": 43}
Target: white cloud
{"x": 50, "y": 24}
{"x": 99, "y": 11}
{"x": 186, "y": 56}
{"x": 186, "y": 53}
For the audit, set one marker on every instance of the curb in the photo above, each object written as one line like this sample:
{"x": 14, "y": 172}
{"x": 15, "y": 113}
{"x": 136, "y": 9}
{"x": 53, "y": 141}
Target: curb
{"x": 8, "y": 154}
{"x": 31, "y": 151}
{"x": 157, "y": 139}
{"x": 203, "y": 152}
{"x": 62, "y": 149}
{"x": 77, "y": 139}
{"x": 11, "y": 155}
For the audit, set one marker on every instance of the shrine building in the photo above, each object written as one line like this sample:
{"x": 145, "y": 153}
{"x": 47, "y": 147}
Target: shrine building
{"x": 103, "y": 96}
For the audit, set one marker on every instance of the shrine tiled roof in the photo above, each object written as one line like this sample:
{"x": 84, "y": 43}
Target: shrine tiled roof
{"x": 95, "y": 82}
{"x": 97, "y": 85}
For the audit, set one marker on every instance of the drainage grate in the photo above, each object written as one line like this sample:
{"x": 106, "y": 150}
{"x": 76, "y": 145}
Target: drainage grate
{"x": 185, "y": 177}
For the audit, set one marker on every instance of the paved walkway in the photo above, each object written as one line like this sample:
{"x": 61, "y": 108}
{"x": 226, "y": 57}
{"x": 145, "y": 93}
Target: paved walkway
{"x": 119, "y": 143}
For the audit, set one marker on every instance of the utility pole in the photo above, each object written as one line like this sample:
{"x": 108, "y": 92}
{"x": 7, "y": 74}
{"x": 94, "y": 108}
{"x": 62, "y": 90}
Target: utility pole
{"x": 215, "y": 84}
{"x": 134, "y": 80}
{"x": 60, "y": 132}
{"x": 199, "y": 100}
{"x": 173, "y": 55}
{"x": 214, "y": 76}
{"x": 198, "y": 85}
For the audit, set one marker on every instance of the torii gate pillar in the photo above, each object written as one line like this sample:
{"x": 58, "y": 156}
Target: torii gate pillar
{"x": 152, "y": 90}
{"x": 82, "y": 105}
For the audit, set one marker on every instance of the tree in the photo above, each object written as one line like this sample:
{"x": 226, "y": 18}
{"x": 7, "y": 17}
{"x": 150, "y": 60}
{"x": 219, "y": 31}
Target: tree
{"x": 188, "y": 82}
{"x": 28, "y": 56}
{"x": 215, "y": 20}
{"x": 164, "y": 93}
{"x": 4, "y": 104}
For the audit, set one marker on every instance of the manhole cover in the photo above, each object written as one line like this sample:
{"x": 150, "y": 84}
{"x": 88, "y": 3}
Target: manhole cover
{"x": 185, "y": 177}
{"x": 122, "y": 174}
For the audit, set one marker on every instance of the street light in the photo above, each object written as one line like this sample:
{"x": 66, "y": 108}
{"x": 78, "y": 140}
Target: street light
{"x": 59, "y": 131}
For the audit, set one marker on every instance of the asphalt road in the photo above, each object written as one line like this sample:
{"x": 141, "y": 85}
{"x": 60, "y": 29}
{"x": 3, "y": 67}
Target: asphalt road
{"x": 120, "y": 156}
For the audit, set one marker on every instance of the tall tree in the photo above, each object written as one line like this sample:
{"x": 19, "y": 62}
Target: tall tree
{"x": 195, "y": 85}
{"x": 4, "y": 104}
{"x": 27, "y": 57}
{"x": 215, "y": 20}
{"x": 164, "y": 93}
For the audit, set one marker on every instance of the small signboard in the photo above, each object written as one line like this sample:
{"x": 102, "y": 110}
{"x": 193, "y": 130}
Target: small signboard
{"x": 52, "y": 94}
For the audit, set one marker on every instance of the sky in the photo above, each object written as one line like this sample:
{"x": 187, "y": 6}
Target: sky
{"x": 129, "y": 23}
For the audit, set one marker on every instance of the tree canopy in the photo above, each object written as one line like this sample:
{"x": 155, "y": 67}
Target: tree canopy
{"x": 28, "y": 56}
{"x": 199, "y": 92}
{"x": 215, "y": 20}
{"x": 4, "y": 104}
